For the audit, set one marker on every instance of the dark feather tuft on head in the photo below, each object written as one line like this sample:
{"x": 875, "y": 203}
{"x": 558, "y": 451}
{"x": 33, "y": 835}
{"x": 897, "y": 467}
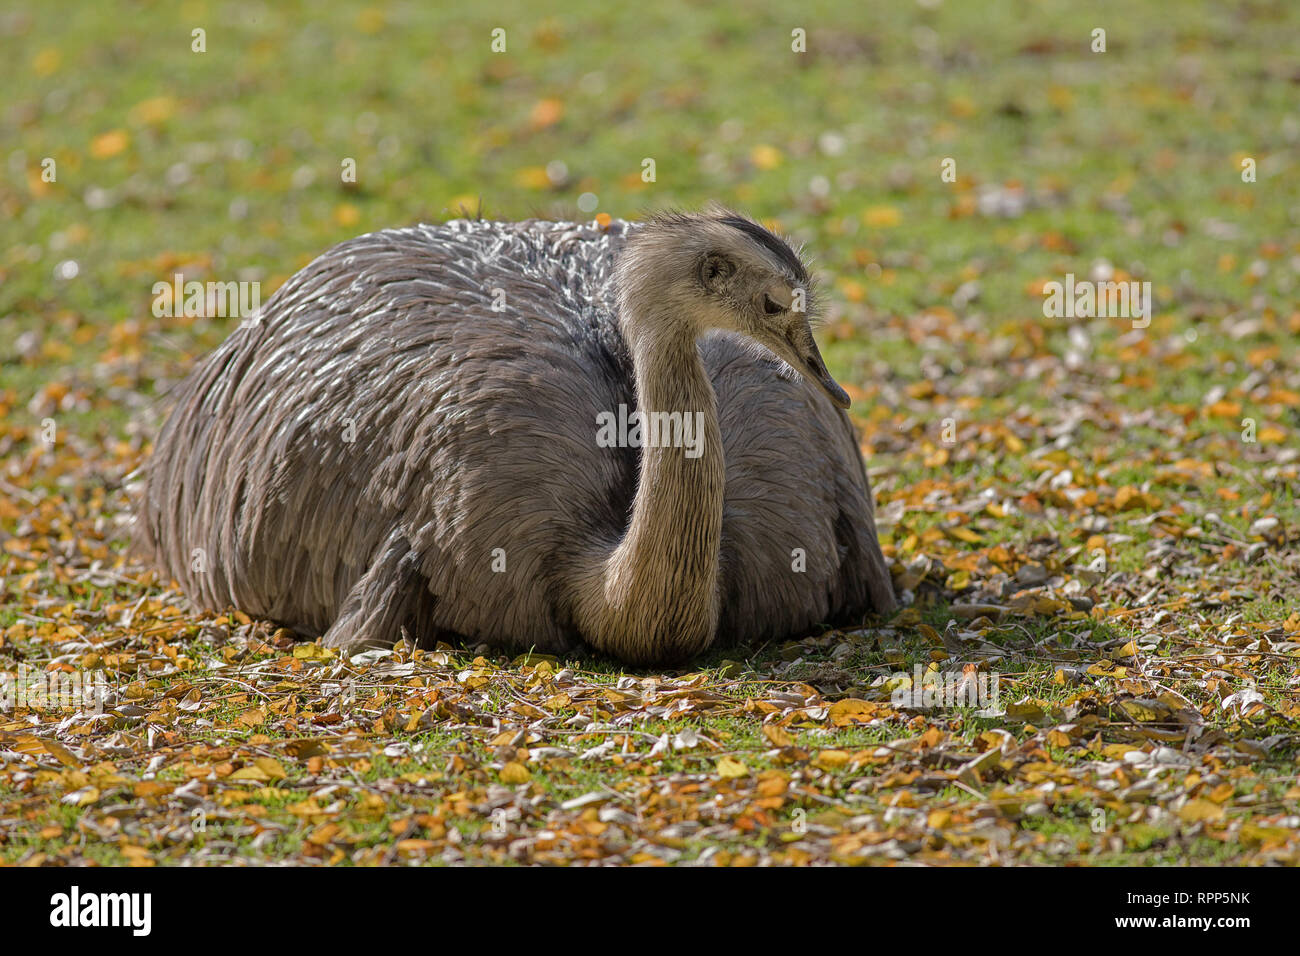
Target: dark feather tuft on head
{"x": 772, "y": 243}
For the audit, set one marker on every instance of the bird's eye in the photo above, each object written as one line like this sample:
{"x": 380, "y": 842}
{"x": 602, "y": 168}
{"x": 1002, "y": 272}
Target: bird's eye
{"x": 771, "y": 306}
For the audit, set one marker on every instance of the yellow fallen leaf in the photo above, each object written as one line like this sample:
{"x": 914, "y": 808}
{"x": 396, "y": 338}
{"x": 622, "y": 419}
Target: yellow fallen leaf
{"x": 251, "y": 772}
{"x": 157, "y": 109}
{"x": 529, "y": 177}
{"x": 1222, "y": 793}
{"x": 271, "y": 767}
{"x": 1223, "y": 409}
{"x": 1117, "y": 751}
{"x": 136, "y": 855}
{"x": 323, "y": 833}
{"x": 1026, "y": 709}
{"x": 1106, "y": 669}
{"x": 832, "y": 759}
{"x": 1195, "y": 811}
{"x": 1060, "y": 97}
{"x": 1144, "y": 710}
{"x": 47, "y": 61}
{"x": 730, "y": 767}
{"x": 466, "y": 205}
{"x": 962, "y": 107}
{"x": 307, "y": 808}
{"x": 83, "y": 797}
{"x": 938, "y": 819}
{"x": 850, "y": 710}
{"x": 772, "y": 783}
{"x": 963, "y": 534}
{"x": 1268, "y": 836}
{"x": 882, "y": 217}
{"x": 765, "y": 157}
{"x": 853, "y": 290}
{"x": 370, "y": 20}
{"x": 414, "y": 847}
{"x": 514, "y": 773}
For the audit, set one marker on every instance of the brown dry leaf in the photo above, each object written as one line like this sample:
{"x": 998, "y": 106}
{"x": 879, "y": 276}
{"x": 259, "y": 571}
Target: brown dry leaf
{"x": 255, "y": 717}
{"x": 64, "y": 755}
{"x": 777, "y": 736}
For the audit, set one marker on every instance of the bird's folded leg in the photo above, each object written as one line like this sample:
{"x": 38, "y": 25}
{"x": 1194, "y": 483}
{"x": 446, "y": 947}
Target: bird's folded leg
{"x": 380, "y": 602}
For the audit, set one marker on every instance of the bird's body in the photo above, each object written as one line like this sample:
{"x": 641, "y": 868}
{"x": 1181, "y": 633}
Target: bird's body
{"x": 409, "y": 438}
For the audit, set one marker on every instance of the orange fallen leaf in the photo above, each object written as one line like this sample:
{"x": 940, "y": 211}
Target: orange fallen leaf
{"x": 546, "y": 113}
{"x": 109, "y": 144}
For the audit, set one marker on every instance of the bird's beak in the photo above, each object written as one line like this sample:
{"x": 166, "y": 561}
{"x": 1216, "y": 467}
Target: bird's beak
{"x": 806, "y": 358}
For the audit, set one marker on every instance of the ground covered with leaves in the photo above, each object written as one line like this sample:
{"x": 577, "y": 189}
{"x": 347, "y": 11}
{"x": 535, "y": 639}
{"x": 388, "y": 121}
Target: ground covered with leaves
{"x": 1101, "y": 517}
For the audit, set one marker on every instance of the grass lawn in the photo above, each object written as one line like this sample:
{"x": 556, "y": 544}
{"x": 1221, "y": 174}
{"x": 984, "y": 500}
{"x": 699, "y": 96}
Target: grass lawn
{"x": 1102, "y": 517}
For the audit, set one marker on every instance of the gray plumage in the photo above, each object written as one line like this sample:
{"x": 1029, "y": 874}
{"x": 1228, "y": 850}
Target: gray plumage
{"x": 416, "y": 399}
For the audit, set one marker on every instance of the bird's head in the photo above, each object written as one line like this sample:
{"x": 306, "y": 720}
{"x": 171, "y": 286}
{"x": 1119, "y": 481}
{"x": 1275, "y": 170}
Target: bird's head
{"x": 721, "y": 270}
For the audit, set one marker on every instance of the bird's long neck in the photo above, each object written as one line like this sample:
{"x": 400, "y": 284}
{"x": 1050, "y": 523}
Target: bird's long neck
{"x": 659, "y": 586}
